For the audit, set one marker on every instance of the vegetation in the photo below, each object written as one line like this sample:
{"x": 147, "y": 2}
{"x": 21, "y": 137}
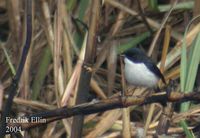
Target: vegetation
{"x": 74, "y": 58}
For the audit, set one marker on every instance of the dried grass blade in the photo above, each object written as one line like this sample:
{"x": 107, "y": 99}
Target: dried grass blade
{"x": 112, "y": 66}
{"x": 105, "y": 123}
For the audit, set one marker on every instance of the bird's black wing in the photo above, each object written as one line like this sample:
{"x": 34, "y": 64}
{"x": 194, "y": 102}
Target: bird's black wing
{"x": 152, "y": 67}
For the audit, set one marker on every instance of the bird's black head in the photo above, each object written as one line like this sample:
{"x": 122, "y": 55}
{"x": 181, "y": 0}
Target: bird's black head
{"x": 136, "y": 55}
{"x": 134, "y": 51}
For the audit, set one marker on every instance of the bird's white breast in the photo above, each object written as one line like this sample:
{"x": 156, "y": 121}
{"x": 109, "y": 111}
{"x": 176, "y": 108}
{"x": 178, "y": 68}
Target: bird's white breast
{"x": 138, "y": 74}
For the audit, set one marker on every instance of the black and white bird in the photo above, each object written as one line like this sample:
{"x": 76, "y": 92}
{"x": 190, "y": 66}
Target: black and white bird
{"x": 140, "y": 70}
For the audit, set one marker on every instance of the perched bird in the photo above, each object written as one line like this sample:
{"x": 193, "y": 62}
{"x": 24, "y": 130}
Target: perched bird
{"x": 140, "y": 70}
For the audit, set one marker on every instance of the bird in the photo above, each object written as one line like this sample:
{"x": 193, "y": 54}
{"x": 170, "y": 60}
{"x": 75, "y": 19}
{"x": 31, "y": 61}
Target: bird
{"x": 140, "y": 70}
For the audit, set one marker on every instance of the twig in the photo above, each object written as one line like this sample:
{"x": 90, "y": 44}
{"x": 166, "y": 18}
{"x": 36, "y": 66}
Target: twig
{"x": 14, "y": 84}
{"x": 83, "y": 88}
{"x": 101, "y": 106}
{"x": 126, "y": 131}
